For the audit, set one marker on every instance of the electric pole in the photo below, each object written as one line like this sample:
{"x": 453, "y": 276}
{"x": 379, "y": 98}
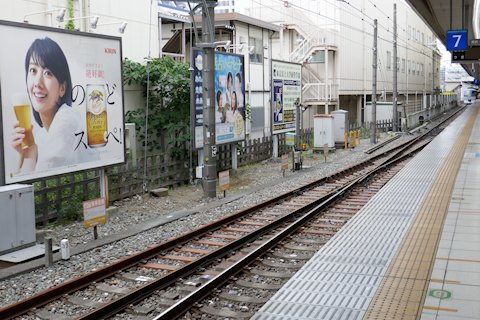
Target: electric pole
{"x": 395, "y": 70}
{"x": 209, "y": 137}
{"x": 373, "y": 124}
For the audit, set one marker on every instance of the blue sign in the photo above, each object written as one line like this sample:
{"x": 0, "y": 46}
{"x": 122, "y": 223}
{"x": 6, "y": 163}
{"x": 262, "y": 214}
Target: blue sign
{"x": 457, "y": 40}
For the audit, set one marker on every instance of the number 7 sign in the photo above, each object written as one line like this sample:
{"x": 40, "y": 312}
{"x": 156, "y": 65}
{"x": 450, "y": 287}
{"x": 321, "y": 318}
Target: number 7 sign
{"x": 457, "y": 40}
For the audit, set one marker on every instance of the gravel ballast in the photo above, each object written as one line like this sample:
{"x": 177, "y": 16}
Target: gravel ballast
{"x": 184, "y": 209}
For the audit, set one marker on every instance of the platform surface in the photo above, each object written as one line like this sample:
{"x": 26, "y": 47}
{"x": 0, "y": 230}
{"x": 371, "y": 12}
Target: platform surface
{"x": 26, "y": 254}
{"x": 384, "y": 258}
{"x": 454, "y": 289}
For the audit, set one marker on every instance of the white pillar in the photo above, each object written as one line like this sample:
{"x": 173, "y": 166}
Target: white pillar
{"x": 327, "y": 93}
{"x": 275, "y": 146}
{"x": 234, "y": 157}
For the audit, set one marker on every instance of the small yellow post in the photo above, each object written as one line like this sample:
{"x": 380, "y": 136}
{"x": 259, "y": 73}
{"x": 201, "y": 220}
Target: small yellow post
{"x": 354, "y": 139}
{"x": 358, "y": 135}
{"x": 346, "y": 140}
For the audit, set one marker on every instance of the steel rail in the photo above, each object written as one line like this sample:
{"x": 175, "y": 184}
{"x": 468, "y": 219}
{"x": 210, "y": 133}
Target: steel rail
{"x": 187, "y": 302}
{"x": 182, "y": 306}
{"x": 54, "y": 293}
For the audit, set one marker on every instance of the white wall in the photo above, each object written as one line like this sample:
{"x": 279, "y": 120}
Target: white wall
{"x": 135, "y": 40}
{"x": 356, "y": 44}
{"x": 350, "y": 25}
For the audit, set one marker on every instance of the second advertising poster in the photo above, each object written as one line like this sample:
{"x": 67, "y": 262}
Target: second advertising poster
{"x": 286, "y": 89}
{"x": 229, "y": 98}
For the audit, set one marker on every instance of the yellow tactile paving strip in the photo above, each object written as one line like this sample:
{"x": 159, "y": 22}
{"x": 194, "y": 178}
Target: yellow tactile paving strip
{"x": 404, "y": 287}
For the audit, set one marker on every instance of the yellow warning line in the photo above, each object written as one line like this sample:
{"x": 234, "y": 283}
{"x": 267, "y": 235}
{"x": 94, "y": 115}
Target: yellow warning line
{"x": 445, "y": 281}
{"x": 459, "y": 260}
{"x": 402, "y": 293}
{"x": 440, "y": 309}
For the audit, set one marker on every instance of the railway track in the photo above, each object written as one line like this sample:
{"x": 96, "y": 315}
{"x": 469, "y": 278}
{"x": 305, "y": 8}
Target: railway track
{"x": 184, "y": 270}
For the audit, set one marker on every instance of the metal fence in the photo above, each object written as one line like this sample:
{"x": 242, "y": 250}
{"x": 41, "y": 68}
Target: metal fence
{"x": 384, "y": 125}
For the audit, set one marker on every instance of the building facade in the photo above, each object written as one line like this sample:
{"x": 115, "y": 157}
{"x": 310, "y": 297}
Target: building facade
{"x": 334, "y": 42}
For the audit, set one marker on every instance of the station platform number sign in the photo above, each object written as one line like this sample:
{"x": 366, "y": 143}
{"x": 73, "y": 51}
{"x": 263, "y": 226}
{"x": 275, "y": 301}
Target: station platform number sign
{"x": 457, "y": 40}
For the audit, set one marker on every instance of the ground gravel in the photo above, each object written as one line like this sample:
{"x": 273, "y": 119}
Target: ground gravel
{"x": 252, "y": 183}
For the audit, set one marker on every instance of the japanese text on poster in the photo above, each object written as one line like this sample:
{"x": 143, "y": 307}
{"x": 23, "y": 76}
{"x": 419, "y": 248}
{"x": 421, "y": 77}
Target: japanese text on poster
{"x": 286, "y": 89}
{"x": 61, "y": 101}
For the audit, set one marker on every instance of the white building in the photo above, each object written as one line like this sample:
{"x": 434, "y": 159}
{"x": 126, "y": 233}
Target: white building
{"x": 111, "y": 14}
{"x": 334, "y": 42}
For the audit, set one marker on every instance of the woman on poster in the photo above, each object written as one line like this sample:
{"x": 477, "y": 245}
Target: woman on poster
{"x": 49, "y": 88}
{"x": 240, "y": 97}
{"x": 220, "y": 115}
{"x": 228, "y": 92}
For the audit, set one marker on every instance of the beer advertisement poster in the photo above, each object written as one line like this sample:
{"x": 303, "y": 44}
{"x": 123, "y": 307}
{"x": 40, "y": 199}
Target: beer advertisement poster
{"x": 286, "y": 88}
{"x": 61, "y": 97}
{"x": 229, "y": 97}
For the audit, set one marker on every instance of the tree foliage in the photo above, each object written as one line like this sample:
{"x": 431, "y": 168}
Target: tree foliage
{"x": 168, "y": 102}
{"x": 71, "y": 14}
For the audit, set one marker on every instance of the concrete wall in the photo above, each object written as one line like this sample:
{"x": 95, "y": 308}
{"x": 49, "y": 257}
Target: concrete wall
{"x": 136, "y": 43}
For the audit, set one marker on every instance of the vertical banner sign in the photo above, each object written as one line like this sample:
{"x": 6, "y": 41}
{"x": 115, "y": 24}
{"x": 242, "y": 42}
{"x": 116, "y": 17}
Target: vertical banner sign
{"x": 229, "y": 98}
{"x": 286, "y": 88}
{"x": 94, "y": 212}
{"x": 61, "y": 99}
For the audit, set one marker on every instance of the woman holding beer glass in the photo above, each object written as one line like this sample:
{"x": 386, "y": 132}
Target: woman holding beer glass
{"x": 49, "y": 88}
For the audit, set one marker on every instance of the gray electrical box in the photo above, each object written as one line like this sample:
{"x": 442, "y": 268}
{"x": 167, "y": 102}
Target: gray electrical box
{"x": 17, "y": 217}
{"x": 340, "y": 126}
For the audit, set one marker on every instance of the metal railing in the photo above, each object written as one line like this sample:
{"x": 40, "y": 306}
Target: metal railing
{"x": 320, "y": 92}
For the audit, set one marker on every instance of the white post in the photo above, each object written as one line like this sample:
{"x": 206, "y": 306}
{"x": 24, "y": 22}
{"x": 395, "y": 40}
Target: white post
{"x": 65, "y": 249}
{"x": 200, "y": 160}
{"x": 103, "y": 192}
{"x": 275, "y": 146}
{"x": 327, "y": 93}
{"x": 234, "y": 157}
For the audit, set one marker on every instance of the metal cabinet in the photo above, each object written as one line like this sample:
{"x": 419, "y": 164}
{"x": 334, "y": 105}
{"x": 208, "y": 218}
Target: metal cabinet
{"x": 323, "y": 131}
{"x": 17, "y": 217}
{"x": 340, "y": 125}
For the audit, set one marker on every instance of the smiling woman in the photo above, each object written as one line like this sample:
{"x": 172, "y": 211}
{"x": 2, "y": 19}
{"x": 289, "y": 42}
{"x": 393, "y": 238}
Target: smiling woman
{"x": 49, "y": 88}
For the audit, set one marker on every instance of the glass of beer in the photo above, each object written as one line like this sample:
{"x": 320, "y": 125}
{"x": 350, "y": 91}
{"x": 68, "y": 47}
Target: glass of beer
{"x": 97, "y": 126}
{"x": 22, "y": 108}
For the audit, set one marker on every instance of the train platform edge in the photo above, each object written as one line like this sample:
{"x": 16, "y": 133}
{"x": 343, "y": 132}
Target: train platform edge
{"x": 413, "y": 251}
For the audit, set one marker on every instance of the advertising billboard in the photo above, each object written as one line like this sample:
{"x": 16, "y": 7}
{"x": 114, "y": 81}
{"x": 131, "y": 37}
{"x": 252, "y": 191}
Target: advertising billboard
{"x": 286, "y": 88}
{"x": 229, "y": 98}
{"x": 61, "y": 99}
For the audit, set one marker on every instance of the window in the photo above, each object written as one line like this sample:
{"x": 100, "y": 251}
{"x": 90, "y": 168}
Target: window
{"x": 256, "y": 55}
{"x": 403, "y": 65}
{"x": 409, "y": 66}
{"x": 423, "y": 38}
{"x": 398, "y": 64}
{"x": 389, "y": 60}
{"x": 318, "y": 57}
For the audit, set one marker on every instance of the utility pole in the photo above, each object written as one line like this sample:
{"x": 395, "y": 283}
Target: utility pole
{"x": 373, "y": 124}
{"x": 395, "y": 70}
{"x": 209, "y": 137}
